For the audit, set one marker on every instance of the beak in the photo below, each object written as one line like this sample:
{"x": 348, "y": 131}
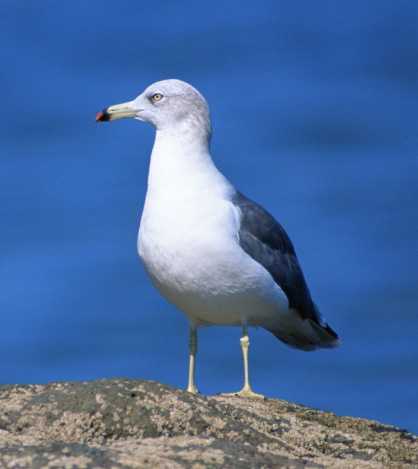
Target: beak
{"x": 118, "y": 111}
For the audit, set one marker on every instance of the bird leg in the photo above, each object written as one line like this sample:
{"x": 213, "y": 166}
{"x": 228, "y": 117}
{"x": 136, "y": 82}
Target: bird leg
{"x": 191, "y": 387}
{"x": 246, "y": 391}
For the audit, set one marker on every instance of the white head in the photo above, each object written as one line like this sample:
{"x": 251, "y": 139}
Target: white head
{"x": 170, "y": 105}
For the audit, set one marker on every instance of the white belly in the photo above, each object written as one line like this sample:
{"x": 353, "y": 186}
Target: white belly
{"x": 193, "y": 257}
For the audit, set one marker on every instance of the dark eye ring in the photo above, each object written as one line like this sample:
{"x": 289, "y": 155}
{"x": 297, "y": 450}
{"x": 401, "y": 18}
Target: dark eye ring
{"x": 156, "y": 97}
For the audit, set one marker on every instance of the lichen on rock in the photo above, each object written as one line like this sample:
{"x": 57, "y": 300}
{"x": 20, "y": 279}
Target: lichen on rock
{"x": 122, "y": 423}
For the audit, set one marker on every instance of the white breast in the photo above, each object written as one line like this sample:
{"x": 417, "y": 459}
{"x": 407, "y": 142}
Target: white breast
{"x": 185, "y": 244}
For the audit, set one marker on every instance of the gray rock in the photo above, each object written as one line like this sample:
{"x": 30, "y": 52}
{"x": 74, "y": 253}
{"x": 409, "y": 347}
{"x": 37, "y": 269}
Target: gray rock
{"x": 124, "y": 423}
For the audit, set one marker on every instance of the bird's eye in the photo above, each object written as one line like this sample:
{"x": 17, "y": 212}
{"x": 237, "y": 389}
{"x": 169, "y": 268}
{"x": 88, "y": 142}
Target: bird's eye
{"x": 156, "y": 97}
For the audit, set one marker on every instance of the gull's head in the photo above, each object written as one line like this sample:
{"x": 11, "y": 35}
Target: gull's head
{"x": 166, "y": 104}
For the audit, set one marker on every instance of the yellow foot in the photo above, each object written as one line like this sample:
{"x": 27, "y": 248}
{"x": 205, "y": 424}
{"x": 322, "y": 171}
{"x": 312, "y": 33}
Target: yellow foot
{"x": 192, "y": 390}
{"x": 245, "y": 392}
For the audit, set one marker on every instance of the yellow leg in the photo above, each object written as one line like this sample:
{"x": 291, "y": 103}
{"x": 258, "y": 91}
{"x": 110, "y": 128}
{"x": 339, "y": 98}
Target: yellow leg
{"x": 246, "y": 391}
{"x": 191, "y": 387}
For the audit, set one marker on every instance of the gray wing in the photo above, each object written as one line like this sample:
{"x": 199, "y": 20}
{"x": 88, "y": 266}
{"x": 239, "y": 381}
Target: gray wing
{"x": 266, "y": 241}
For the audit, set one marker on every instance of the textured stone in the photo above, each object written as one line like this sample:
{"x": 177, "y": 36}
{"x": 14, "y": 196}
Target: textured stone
{"x": 138, "y": 424}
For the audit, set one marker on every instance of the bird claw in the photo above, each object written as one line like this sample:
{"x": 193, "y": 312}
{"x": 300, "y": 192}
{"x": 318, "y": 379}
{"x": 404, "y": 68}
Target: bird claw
{"x": 192, "y": 390}
{"x": 245, "y": 392}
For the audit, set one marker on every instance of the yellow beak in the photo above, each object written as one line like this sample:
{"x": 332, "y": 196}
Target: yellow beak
{"x": 118, "y": 111}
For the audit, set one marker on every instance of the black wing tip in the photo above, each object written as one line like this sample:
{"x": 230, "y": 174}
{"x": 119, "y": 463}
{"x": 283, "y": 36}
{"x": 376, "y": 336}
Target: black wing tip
{"x": 331, "y": 331}
{"x": 320, "y": 336}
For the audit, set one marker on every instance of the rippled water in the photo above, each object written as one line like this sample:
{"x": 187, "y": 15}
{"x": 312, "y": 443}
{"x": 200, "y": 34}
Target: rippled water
{"x": 314, "y": 112}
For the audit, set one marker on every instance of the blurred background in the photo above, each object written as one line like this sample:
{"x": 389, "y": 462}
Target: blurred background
{"x": 314, "y": 109}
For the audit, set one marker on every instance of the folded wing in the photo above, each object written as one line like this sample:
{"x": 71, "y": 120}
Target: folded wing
{"x": 266, "y": 241}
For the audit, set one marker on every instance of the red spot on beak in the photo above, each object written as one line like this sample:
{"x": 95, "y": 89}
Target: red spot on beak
{"x": 100, "y": 116}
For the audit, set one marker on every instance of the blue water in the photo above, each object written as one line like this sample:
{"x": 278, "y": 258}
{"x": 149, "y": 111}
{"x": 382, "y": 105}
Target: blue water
{"x": 314, "y": 109}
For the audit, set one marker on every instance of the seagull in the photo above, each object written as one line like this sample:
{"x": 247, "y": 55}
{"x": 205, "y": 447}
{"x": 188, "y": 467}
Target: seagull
{"x": 218, "y": 256}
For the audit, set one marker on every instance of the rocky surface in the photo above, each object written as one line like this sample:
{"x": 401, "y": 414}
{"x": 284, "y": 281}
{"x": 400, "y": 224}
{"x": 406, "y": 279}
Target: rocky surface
{"x": 127, "y": 424}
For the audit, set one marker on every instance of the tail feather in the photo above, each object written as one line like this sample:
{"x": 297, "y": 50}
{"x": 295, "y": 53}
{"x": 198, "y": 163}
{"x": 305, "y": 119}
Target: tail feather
{"x": 306, "y": 334}
{"x": 328, "y": 337}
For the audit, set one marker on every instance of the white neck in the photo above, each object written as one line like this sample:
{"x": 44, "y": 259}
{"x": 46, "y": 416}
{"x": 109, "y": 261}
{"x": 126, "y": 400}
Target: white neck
{"x": 181, "y": 164}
